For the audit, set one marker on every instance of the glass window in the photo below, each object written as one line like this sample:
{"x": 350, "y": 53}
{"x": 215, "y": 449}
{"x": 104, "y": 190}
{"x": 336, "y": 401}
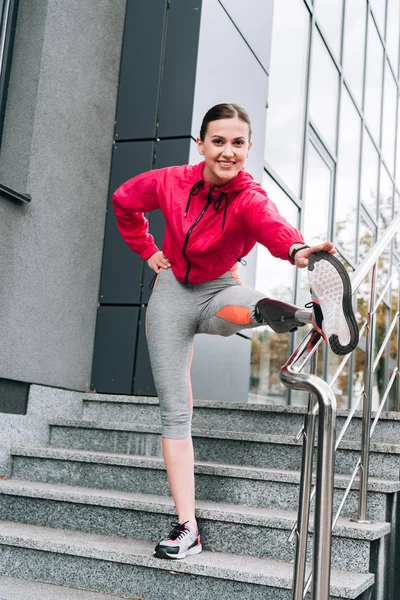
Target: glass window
{"x": 385, "y": 199}
{"x": 354, "y": 46}
{"x": 393, "y": 401}
{"x": 346, "y": 200}
{"x": 341, "y": 385}
{"x": 315, "y": 211}
{"x": 329, "y": 15}
{"x": 389, "y": 118}
{"x": 274, "y": 276}
{"x": 373, "y": 84}
{"x": 317, "y": 198}
{"x": 269, "y": 351}
{"x": 369, "y": 176}
{"x": 366, "y": 239}
{"x": 398, "y": 152}
{"x": 397, "y": 212}
{"x": 286, "y": 97}
{"x": 392, "y": 33}
{"x": 379, "y": 11}
{"x": 324, "y": 92}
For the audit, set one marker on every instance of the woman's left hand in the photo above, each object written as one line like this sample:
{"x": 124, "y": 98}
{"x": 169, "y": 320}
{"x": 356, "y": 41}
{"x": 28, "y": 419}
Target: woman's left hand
{"x": 302, "y": 256}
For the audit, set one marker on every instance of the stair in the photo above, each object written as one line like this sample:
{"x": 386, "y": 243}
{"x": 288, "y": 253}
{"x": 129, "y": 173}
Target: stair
{"x": 85, "y": 512}
{"x": 21, "y": 589}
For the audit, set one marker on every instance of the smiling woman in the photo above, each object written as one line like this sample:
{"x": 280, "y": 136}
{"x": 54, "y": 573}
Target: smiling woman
{"x": 225, "y": 145}
{"x": 215, "y": 213}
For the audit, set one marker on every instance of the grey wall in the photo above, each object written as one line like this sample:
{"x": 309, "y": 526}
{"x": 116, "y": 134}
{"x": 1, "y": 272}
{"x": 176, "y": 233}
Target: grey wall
{"x": 57, "y": 147}
{"x": 232, "y": 66}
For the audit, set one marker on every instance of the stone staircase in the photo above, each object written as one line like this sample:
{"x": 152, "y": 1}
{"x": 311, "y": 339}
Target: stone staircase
{"x": 86, "y": 511}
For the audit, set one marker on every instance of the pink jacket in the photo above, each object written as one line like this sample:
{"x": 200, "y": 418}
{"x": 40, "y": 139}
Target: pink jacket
{"x": 208, "y": 228}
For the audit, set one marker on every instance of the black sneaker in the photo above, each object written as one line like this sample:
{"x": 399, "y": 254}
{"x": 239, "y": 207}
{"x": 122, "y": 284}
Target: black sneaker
{"x": 280, "y": 316}
{"x": 331, "y": 297}
{"x": 181, "y": 542}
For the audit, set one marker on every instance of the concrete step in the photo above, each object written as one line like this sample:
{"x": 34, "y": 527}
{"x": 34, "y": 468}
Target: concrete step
{"x": 250, "y": 417}
{"x": 240, "y": 448}
{"x": 12, "y": 588}
{"x": 250, "y": 486}
{"x": 224, "y": 528}
{"x": 127, "y": 567}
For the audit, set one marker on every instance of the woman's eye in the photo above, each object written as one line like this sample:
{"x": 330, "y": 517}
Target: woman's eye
{"x": 239, "y": 142}
{"x": 218, "y": 142}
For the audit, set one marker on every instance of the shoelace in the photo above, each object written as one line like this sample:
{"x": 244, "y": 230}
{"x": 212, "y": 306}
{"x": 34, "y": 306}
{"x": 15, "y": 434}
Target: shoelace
{"x": 178, "y": 531}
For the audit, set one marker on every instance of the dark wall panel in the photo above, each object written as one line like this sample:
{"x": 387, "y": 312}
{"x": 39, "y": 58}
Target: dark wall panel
{"x": 140, "y": 69}
{"x": 13, "y": 396}
{"x": 143, "y": 383}
{"x": 122, "y": 269}
{"x": 114, "y": 354}
{"x": 179, "y": 71}
{"x": 168, "y": 154}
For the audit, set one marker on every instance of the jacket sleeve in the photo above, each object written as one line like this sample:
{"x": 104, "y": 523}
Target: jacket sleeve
{"x": 130, "y": 201}
{"x": 269, "y": 228}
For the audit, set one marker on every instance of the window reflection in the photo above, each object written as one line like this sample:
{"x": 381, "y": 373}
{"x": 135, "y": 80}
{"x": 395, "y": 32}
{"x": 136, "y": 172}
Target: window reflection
{"x": 398, "y": 153}
{"x": 389, "y": 118}
{"x": 392, "y": 32}
{"x": 394, "y": 401}
{"x": 274, "y": 276}
{"x": 369, "y": 176}
{"x": 385, "y": 199}
{"x": 324, "y": 92}
{"x": 286, "y": 97}
{"x": 382, "y": 325}
{"x": 329, "y": 14}
{"x": 362, "y": 295}
{"x": 316, "y": 211}
{"x": 373, "y": 84}
{"x": 354, "y": 46}
{"x": 317, "y": 198}
{"x": 397, "y": 212}
{"x": 347, "y": 176}
{"x": 366, "y": 239}
{"x": 270, "y": 351}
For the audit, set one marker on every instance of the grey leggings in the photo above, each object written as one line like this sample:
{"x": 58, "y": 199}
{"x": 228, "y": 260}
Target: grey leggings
{"x": 176, "y": 312}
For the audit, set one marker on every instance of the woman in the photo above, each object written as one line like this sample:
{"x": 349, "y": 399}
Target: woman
{"x": 215, "y": 213}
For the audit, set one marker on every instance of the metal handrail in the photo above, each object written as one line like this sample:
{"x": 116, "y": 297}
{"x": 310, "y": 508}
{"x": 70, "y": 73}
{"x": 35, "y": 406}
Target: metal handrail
{"x": 322, "y": 400}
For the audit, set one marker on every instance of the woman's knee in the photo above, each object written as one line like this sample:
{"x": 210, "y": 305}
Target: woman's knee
{"x": 176, "y": 426}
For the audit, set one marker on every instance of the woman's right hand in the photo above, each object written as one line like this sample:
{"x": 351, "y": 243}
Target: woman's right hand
{"x": 158, "y": 261}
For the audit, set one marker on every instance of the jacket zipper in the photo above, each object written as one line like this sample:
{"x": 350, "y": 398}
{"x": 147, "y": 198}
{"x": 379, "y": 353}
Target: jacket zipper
{"x": 187, "y": 238}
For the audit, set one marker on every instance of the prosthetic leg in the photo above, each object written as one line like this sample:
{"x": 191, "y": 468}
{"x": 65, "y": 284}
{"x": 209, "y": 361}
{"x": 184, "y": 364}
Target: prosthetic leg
{"x": 280, "y": 316}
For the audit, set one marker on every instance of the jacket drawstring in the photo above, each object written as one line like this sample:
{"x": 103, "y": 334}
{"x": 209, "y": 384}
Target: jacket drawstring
{"x": 193, "y": 192}
{"x": 217, "y": 203}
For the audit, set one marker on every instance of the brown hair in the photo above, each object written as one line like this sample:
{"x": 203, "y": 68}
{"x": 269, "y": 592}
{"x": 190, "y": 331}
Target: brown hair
{"x": 224, "y": 111}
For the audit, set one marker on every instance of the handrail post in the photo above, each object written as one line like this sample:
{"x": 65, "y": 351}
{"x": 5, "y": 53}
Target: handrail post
{"x": 303, "y": 517}
{"x": 322, "y": 538}
{"x": 367, "y": 407}
{"x": 324, "y": 501}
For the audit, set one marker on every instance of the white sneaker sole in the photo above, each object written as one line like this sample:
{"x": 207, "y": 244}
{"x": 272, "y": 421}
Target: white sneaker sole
{"x": 331, "y": 288}
{"x": 161, "y": 553}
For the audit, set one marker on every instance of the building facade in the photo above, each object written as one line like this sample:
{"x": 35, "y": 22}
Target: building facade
{"x": 99, "y": 91}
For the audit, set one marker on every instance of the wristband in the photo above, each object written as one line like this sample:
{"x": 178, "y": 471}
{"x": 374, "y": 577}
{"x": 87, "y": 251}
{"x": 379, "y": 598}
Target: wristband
{"x": 293, "y": 254}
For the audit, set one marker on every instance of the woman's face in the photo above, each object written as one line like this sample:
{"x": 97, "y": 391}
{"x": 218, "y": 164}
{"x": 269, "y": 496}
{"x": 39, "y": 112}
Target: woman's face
{"x": 225, "y": 148}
